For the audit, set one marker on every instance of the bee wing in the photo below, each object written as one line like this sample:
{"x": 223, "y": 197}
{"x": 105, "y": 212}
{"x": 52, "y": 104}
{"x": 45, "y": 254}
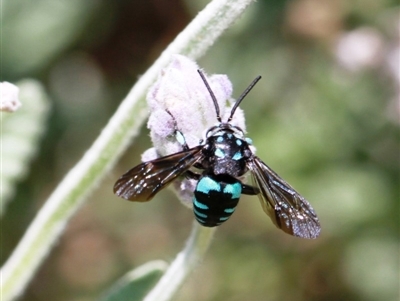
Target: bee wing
{"x": 288, "y": 210}
{"x": 142, "y": 182}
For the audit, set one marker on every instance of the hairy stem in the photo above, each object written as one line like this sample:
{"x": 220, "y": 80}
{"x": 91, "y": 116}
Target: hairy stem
{"x": 186, "y": 260}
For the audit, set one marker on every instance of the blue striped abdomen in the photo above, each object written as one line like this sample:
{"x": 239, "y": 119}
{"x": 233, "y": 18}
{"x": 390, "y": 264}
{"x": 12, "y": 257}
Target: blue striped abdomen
{"x": 215, "y": 199}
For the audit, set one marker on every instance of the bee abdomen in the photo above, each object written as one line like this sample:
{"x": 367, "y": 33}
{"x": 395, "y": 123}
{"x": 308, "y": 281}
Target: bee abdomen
{"x": 215, "y": 199}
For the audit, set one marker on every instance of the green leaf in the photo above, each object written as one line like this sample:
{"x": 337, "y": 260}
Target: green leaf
{"x": 20, "y": 136}
{"x": 135, "y": 284}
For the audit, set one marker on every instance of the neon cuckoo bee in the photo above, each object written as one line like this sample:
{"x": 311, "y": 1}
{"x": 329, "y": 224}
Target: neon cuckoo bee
{"x": 223, "y": 157}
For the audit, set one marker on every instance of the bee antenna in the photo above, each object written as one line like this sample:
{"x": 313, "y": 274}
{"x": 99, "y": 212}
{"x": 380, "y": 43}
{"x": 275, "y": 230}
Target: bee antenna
{"x": 237, "y": 103}
{"x": 212, "y": 95}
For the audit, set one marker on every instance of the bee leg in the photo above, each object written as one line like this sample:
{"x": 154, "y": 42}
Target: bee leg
{"x": 178, "y": 134}
{"x": 192, "y": 175}
{"x": 249, "y": 190}
{"x": 181, "y": 139}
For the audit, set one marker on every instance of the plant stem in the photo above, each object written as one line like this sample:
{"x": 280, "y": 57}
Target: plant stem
{"x": 186, "y": 260}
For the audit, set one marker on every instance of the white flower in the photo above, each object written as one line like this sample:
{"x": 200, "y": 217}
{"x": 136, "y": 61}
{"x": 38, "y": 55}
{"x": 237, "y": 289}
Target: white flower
{"x": 359, "y": 49}
{"x": 179, "y": 100}
{"x": 9, "y": 101}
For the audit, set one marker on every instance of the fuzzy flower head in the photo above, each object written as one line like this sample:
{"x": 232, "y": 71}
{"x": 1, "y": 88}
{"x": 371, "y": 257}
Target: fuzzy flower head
{"x": 180, "y": 101}
{"x": 9, "y": 101}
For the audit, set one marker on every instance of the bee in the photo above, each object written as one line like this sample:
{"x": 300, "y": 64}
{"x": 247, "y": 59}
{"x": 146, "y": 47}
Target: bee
{"x": 223, "y": 157}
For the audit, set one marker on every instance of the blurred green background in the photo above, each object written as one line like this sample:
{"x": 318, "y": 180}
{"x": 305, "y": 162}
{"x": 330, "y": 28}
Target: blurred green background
{"x": 325, "y": 116}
